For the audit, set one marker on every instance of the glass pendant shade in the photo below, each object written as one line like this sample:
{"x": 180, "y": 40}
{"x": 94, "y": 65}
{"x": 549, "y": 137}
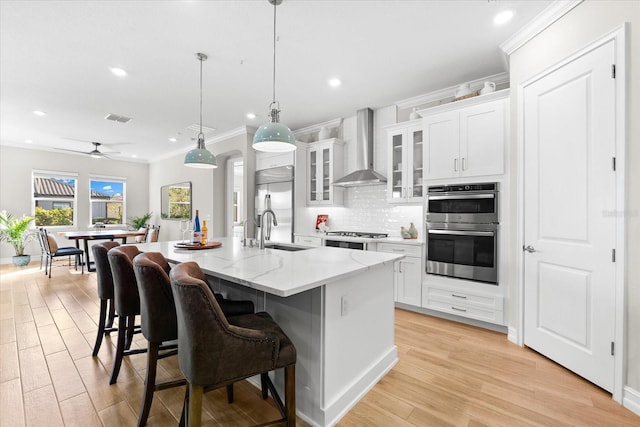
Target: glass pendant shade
{"x": 200, "y": 157}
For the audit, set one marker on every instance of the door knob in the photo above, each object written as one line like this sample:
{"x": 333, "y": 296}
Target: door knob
{"x": 528, "y": 248}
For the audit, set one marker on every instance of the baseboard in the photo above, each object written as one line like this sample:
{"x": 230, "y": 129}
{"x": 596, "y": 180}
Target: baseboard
{"x": 337, "y": 409}
{"x": 631, "y": 400}
{"x": 512, "y": 335}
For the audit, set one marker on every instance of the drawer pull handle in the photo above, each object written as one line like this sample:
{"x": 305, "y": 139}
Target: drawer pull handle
{"x": 459, "y": 296}
{"x": 398, "y": 250}
{"x": 459, "y": 309}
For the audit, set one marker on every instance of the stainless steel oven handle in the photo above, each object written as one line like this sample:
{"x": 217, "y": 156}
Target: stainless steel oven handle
{"x": 462, "y": 233}
{"x": 463, "y": 197}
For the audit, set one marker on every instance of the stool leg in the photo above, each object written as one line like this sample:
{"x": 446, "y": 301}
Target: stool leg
{"x": 112, "y": 314}
{"x": 194, "y": 415}
{"x": 122, "y": 327}
{"x": 230, "y": 393}
{"x": 290, "y": 394}
{"x": 149, "y": 383}
{"x": 103, "y": 316}
{"x": 131, "y": 323}
{"x": 263, "y": 385}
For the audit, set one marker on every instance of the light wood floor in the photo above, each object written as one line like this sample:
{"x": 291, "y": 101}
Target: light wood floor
{"x": 448, "y": 373}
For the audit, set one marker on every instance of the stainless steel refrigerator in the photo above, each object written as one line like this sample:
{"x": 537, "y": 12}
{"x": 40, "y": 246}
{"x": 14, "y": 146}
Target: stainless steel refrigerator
{"x": 275, "y": 187}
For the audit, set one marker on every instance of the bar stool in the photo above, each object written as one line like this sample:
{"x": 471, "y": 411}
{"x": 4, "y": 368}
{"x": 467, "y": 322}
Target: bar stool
{"x": 105, "y": 292}
{"x": 254, "y": 344}
{"x": 159, "y": 324}
{"x": 127, "y": 299}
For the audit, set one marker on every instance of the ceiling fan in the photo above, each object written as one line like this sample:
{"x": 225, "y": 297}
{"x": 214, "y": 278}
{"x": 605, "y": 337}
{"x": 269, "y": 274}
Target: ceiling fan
{"x": 95, "y": 153}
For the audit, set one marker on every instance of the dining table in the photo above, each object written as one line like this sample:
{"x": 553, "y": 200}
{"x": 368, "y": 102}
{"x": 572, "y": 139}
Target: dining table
{"x": 99, "y": 234}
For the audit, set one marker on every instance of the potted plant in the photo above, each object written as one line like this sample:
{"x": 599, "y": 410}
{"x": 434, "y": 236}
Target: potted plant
{"x": 138, "y": 222}
{"x": 16, "y": 232}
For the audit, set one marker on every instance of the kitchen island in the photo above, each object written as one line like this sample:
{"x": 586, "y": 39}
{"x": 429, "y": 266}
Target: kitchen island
{"x": 335, "y": 304}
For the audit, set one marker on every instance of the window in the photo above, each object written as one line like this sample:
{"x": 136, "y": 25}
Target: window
{"x": 107, "y": 200}
{"x": 54, "y": 198}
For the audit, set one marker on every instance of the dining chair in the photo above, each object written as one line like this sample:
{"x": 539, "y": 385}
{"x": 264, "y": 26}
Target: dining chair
{"x": 227, "y": 352}
{"x": 51, "y": 250}
{"x": 105, "y": 292}
{"x": 127, "y": 299}
{"x": 142, "y": 238}
{"x": 153, "y": 233}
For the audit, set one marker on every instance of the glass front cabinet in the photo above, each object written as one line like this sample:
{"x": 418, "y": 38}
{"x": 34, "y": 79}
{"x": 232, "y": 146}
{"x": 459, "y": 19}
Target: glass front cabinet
{"x": 405, "y": 180}
{"x": 324, "y": 165}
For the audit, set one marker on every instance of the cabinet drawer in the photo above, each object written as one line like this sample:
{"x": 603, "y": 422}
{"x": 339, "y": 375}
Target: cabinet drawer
{"x": 487, "y": 315}
{"x": 308, "y": 241}
{"x": 398, "y": 248}
{"x": 449, "y": 296}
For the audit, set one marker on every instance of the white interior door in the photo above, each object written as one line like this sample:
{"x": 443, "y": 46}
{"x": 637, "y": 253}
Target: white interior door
{"x": 569, "y": 228}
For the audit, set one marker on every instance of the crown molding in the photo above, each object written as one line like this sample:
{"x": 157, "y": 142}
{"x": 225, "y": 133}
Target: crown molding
{"x": 316, "y": 127}
{"x": 538, "y": 24}
{"x": 448, "y": 92}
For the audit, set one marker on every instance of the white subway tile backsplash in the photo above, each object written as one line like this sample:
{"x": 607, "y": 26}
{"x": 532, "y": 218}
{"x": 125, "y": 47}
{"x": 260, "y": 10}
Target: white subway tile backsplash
{"x": 365, "y": 209}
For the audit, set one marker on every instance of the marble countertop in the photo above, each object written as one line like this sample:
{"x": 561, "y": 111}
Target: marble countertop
{"x": 274, "y": 271}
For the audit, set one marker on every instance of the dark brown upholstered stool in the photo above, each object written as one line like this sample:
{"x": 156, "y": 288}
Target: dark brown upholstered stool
{"x": 105, "y": 292}
{"x": 214, "y": 352}
{"x": 159, "y": 324}
{"x": 127, "y": 299}
{"x": 158, "y": 321}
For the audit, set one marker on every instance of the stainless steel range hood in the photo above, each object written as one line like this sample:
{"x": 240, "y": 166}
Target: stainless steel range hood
{"x": 364, "y": 173}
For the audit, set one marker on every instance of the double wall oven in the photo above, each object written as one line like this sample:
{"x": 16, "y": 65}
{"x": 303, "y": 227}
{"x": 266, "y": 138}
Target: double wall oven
{"x": 462, "y": 231}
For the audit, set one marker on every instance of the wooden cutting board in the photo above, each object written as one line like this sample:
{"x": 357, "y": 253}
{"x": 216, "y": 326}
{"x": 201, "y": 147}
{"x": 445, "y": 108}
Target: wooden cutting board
{"x": 195, "y": 247}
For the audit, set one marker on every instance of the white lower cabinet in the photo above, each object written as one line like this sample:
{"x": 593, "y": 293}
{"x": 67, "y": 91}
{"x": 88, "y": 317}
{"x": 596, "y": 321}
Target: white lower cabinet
{"x": 407, "y": 276}
{"x": 313, "y": 241}
{"x": 488, "y": 307}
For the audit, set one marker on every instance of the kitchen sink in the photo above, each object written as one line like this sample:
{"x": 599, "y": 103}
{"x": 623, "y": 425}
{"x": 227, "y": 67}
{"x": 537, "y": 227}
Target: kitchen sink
{"x": 285, "y": 247}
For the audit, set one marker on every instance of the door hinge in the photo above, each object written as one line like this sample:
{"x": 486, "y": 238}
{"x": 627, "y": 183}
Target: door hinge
{"x": 612, "y": 348}
{"x": 613, "y": 255}
{"x": 613, "y": 163}
{"x": 613, "y": 71}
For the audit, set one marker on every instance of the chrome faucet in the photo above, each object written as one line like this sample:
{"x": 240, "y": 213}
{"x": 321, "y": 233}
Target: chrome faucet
{"x": 275, "y": 222}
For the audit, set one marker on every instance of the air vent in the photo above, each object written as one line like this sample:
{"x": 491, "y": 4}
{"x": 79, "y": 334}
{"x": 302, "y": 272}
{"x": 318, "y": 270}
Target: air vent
{"x": 196, "y": 128}
{"x": 117, "y": 118}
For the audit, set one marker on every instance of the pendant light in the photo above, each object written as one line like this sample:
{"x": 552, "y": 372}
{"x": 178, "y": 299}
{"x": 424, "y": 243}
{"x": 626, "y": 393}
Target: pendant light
{"x": 200, "y": 157}
{"x": 274, "y": 136}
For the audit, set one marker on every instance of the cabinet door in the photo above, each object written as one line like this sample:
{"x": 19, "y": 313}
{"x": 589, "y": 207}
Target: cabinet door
{"x": 327, "y": 175}
{"x": 312, "y": 176}
{"x": 395, "y": 182}
{"x": 442, "y": 139}
{"x": 482, "y": 138}
{"x": 408, "y": 281}
{"x": 414, "y": 162}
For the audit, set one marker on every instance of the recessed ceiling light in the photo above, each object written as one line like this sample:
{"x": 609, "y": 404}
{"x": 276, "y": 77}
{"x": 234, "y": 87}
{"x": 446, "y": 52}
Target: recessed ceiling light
{"x": 251, "y": 116}
{"x": 503, "y": 17}
{"x": 118, "y": 71}
{"x": 39, "y": 113}
{"x": 28, "y": 141}
{"x": 172, "y": 139}
{"x": 334, "y": 82}
{"x": 133, "y": 156}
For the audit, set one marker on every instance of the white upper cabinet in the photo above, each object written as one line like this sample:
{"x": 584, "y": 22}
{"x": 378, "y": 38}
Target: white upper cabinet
{"x": 405, "y": 162}
{"x": 324, "y": 165}
{"x": 467, "y": 141}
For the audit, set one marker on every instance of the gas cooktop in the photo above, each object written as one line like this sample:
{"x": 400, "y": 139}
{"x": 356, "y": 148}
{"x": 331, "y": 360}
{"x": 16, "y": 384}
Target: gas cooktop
{"x": 363, "y": 234}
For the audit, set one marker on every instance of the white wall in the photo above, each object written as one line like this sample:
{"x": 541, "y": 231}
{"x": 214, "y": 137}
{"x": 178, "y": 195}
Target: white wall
{"x": 586, "y": 23}
{"x": 16, "y": 192}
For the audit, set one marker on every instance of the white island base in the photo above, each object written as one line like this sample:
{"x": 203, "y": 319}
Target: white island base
{"x": 344, "y": 335}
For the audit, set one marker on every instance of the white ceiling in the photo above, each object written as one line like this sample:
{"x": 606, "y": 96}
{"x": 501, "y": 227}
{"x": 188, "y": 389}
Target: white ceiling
{"x": 55, "y": 57}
